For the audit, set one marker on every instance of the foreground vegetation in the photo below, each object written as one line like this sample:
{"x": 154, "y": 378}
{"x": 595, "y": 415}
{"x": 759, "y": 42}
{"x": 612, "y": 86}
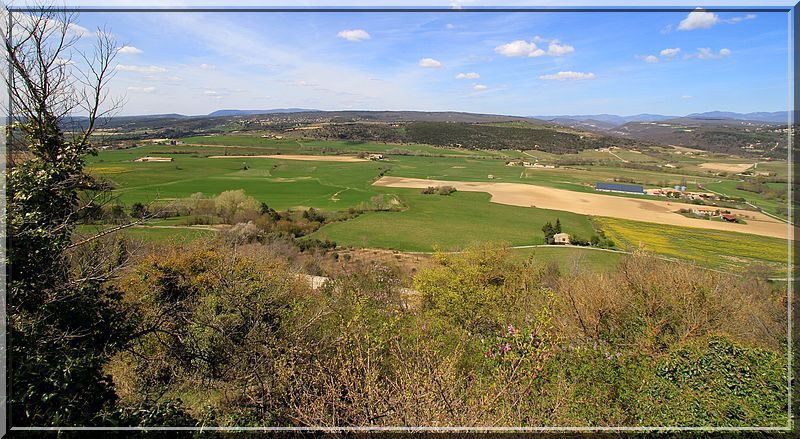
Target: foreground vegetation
{"x": 231, "y": 337}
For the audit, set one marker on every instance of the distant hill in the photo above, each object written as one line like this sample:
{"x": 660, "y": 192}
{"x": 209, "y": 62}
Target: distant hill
{"x": 223, "y": 113}
{"x": 775, "y": 116}
{"x": 611, "y": 119}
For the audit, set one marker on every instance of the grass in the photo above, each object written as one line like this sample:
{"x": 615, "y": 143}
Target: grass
{"x": 572, "y": 259}
{"x": 450, "y": 223}
{"x": 151, "y": 234}
{"x": 711, "y": 248}
{"x": 282, "y": 184}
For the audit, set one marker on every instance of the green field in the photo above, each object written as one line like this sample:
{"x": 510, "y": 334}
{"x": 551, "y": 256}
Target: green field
{"x": 425, "y": 221}
{"x": 151, "y": 234}
{"x": 449, "y": 223}
{"x": 571, "y": 259}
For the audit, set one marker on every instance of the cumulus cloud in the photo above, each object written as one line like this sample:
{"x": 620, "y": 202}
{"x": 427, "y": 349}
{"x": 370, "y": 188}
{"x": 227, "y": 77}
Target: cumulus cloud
{"x": 650, "y": 58}
{"x": 698, "y": 19}
{"x": 555, "y": 48}
{"x": 129, "y": 50}
{"x": 479, "y": 87}
{"x": 208, "y": 66}
{"x": 519, "y": 48}
{"x": 706, "y": 53}
{"x": 469, "y": 75}
{"x": 670, "y": 52}
{"x": 531, "y": 49}
{"x": 429, "y": 63}
{"x": 568, "y": 75}
{"x": 142, "y": 89}
{"x": 354, "y": 35}
{"x": 140, "y": 69}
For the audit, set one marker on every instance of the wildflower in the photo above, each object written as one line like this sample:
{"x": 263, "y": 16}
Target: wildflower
{"x": 506, "y": 347}
{"x": 511, "y": 330}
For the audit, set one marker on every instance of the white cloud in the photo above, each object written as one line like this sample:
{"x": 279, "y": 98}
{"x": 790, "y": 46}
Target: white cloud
{"x": 687, "y": 97}
{"x": 64, "y": 61}
{"x": 205, "y": 66}
{"x": 736, "y": 20}
{"x": 519, "y": 48}
{"x": 142, "y": 89}
{"x": 450, "y": 26}
{"x": 555, "y": 48}
{"x": 706, "y": 53}
{"x": 129, "y": 50}
{"x": 210, "y": 92}
{"x": 568, "y": 75}
{"x": 670, "y": 52}
{"x": 140, "y": 69}
{"x": 429, "y": 63}
{"x": 469, "y": 75}
{"x": 650, "y": 58}
{"x": 698, "y": 19}
{"x": 479, "y": 87}
{"x": 354, "y": 35}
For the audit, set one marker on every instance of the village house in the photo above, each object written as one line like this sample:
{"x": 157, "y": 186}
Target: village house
{"x": 561, "y": 238}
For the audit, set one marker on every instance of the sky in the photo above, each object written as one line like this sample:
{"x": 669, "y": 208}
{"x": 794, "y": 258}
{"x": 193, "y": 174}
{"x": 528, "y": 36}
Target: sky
{"x": 515, "y": 63}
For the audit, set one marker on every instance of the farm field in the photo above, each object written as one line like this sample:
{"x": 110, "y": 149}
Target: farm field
{"x": 571, "y": 259}
{"x": 711, "y": 248}
{"x": 450, "y": 223}
{"x": 424, "y": 221}
{"x": 599, "y": 204}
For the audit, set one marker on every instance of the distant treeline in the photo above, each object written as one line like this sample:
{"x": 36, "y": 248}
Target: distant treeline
{"x": 470, "y": 136}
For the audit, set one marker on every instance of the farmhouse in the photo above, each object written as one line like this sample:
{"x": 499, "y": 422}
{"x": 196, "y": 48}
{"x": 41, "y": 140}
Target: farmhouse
{"x": 705, "y": 211}
{"x": 561, "y": 238}
{"x": 618, "y": 187}
{"x": 375, "y": 156}
{"x": 731, "y": 218}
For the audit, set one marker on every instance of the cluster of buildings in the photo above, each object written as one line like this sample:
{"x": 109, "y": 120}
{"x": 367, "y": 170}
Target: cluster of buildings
{"x": 681, "y": 192}
{"x": 712, "y": 212}
{"x": 528, "y": 164}
{"x": 677, "y": 191}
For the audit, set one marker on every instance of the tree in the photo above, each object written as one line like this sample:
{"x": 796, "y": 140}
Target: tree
{"x": 557, "y": 228}
{"x": 63, "y": 321}
{"x": 230, "y": 203}
{"x": 549, "y": 231}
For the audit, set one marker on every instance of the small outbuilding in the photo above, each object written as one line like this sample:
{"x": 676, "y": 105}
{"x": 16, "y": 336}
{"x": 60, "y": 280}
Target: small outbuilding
{"x": 561, "y": 238}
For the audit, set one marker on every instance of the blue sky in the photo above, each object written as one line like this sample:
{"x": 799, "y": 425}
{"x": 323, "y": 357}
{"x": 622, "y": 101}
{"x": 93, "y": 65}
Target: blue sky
{"x": 510, "y": 63}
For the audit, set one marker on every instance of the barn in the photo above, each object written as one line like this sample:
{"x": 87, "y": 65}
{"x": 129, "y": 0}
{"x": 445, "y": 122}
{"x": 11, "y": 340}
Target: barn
{"x": 619, "y": 187}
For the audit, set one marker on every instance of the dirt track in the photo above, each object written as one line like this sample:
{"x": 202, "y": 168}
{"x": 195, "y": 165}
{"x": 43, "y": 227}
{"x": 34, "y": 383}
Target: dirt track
{"x": 652, "y": 211}
{"x": 315, "y": 158}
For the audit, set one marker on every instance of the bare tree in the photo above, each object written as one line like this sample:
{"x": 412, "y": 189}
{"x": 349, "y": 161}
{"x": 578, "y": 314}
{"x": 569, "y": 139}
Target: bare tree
{"x": 51, "y": 80}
